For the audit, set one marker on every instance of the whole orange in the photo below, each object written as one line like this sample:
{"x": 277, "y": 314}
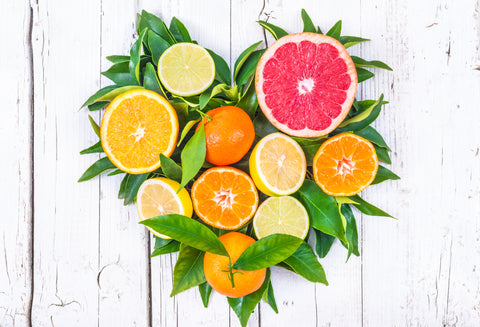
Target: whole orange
{"x": 216, "y": 267}
{"x": 229, "y": 135}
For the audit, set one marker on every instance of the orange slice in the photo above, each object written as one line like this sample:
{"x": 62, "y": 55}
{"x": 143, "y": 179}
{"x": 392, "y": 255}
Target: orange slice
{"x": 224, "y": 197}
{"x": 137, "y": 126}
{"x": 345, "y": 165}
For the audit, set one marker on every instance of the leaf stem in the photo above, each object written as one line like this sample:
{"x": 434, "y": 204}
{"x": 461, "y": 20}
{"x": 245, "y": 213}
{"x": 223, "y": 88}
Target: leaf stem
{"x": 203, "y": 115}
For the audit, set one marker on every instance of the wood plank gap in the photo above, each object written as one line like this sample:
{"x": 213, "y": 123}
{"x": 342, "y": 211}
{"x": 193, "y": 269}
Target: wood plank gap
{"x": 99, "y": 116}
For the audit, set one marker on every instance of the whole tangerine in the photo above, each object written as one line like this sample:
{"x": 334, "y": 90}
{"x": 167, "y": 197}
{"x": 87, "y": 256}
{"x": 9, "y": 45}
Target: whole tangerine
{"x": 229, "y": 134}
{"x": 216, "y": 268}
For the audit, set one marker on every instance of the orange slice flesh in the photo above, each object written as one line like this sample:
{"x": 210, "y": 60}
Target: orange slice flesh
{"x": 137, "y": 126}
{"x": 225, "y": 197}
{"x": 345, "y": 165}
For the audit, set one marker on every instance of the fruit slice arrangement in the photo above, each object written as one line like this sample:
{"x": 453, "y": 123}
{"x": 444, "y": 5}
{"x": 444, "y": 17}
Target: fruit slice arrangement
{"x": 240, "y": 170}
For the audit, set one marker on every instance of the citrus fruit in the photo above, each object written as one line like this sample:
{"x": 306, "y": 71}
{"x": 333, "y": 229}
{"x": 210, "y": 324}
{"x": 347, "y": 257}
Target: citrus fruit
{"x": 137, "y": 126}
{"x": 281, "y": 215}
{"x": 306, "y": 84}
{"x": 224, "y": 197}
{"x": 186, "y": 69}
{"x": 158, "y": 196}
{"x": 216, "y": 268}
{"x": 345, "y": 165}
{"x": 278, "y": 165}
{"x": 229, "y": 135}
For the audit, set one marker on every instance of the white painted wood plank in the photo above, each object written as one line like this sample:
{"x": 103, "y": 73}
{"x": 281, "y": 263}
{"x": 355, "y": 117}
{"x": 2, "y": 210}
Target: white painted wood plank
{"x": 124, "y": 272}
{"x": 66, "y": 55}
{"x": 15, "y": 181}
{"x": 421, "y": 270}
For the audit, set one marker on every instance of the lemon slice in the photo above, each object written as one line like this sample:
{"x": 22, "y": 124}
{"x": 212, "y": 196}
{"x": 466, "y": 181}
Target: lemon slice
{"x": 278, "y": 165}
{"x": 281, "y": 215}
{"x": 158, "y": 196}
{"x": 186, "y": 69}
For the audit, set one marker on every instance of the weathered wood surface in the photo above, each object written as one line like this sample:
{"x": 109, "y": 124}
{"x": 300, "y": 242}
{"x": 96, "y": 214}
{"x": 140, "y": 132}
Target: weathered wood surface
{"x": 72, "y": 255}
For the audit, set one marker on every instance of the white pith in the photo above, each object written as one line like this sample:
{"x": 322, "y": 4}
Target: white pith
{"x": 305, "y": 86}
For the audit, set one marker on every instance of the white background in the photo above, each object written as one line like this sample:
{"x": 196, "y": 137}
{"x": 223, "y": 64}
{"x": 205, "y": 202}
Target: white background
{"x": 72, "y": 255}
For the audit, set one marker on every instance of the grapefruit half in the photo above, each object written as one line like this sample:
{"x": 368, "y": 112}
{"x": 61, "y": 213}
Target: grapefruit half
{"x": 306, "y": 84}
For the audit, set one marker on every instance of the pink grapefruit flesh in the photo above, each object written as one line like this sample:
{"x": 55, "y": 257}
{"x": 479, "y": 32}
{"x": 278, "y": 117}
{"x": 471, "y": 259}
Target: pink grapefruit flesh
{"x": 306, "y": 84}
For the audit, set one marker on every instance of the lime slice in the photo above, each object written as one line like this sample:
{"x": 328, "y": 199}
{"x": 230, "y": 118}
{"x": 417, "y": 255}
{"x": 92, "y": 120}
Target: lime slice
{"x": 278, "y": 165}
{"x": 186, "y": 69}
{"x": 158, "y": 196}
{"x": 281, "y": 215}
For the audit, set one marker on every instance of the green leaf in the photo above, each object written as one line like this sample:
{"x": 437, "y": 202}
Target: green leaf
{"x": 349, "y": 41}
{"x": 193, "y": 156}
{"x": 211, "y": 92}
{"x": 310, "y": 146}
{"x": 319, "y": 30}
{"x": 363, "y": 74}
{"x": 344, "y": 199}
{"x": 150, "y": 80}
{"x": 99, "y": 95}
{"x": 276, "y": 31}
{"x": 170, "y": 168}
{"x": 96, "y": 148}
{"x": 269, "y": 297}
{"x": 97, "y": 105}
{"x": 186, "y": 129}
{"x": 307, "y": 23}
{"x": 382, "y": 154}
{"x": 367, "y": 208}
{"x": 129, "y": 187}
{"x": 157, "y": 46}
{"x": 305, "y": 263}
{"x": 100, "y": 166}
{"x": 109, "y": 93}
{"x": 179, "y": 31}
{"x": 364, "y": 118}
{"x": 116, "y": 59}
{"x": 120, "y": 74}
{"x": 262, "y": 125}
{"x": 323, "y": 243}
{"x": 95, "y": 126}
{"x": 322, "y": 209}
{"x": 187, "y": 230}
{"x": 243, "y": 57}
{"x": 116, "y": 172}
{"x": 244, "y": 306}
{"x": 221, "y": 68}
{"x": 205, "y": 290}
{"x": 170, "y": 247}
{"x": 359, "y": 62}
{"x": 155, "y": 24}
{"x": 247, "y": 70}
{"x": 267, "y": 251}
{"x": 135, "y": 52}
{"x": 336, "y": 30}
{"x": 182, "y": 113}
{"x": 249, "y": 102}
{"x": 188, "y": 271}
{"x": 384, "y": 174}
{"x": 351, "y": 233}
{"x": 373, "y": 136}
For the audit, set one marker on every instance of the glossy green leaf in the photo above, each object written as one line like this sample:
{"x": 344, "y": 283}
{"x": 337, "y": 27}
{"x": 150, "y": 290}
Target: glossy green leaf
{"x": 307, "y": 23}
{"x": 359, "y": 62}
{"x": 322, "y": 209}
{"x": 135, "y": 52}
{"x": 269, "y": 297}
{"x": 116, "y": 172}
{"x": 243, "y": 57}
{"x": 205, "y": 290}
{"x": 182, "y": 113}
{"x": 310, "y": 146}
{"x": 336, "y": 30}
{"x": 107, "y": 94}
{"x": 100, "y": 166}
{"x": 120, "y": 74}
{"x": 187, "y": 230}
{"x": 170, "y": 168}
{"x": 276, "y": 31}
{"x": 151, "y": 82}
{"x": 188, "y": 271}
{"x": 211, "y": 92}
{"x": 319, "y": 30}
{"x": 157, "y": 46}
{"x": 179, "y": 31}
{"x": 97, "y": 105}
{"x": 244, "y": 306}
{"x": 116, "y": 59}
{"x": 186, "y": 129}
{"x": 351, "y": 233}
{"x": 267, "y": 251}
{"x": 170, "y": 247}
{"x": 384, "y": 174}
{"x": 221, "y": 68}
{"x": 96, "y": 148}
{"x": 249, "y": 102}
{"x": 193, "y": 156}
{"x": 262, "y": 125}
{"x": 373, "y": 136}
{"x": 344, "y": 200}
{"x": 349, "y": 41}
{"x": 363, "y": 74}
{"x": 129, "y": 187}
{"x": 247, "y": 71}
{"x": 382, "y": 154}
{"x": 305, "y": 263}
{"x": 323, "y": 243}
{"x": 155, "y": 24}
{"x": 364, "y": 118}
{"x": 94, "y": 125}
{"x": 367, "y": 208}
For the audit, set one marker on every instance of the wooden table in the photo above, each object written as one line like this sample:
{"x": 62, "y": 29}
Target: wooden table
{"x": 72, "y": 255}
